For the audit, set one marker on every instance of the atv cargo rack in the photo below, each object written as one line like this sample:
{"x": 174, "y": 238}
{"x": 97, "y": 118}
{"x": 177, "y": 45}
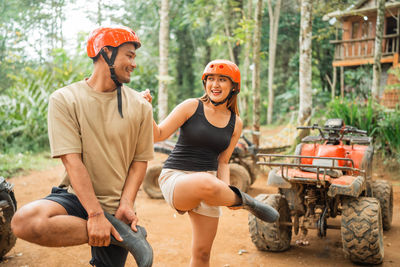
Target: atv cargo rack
{"x": 266, "y": 159}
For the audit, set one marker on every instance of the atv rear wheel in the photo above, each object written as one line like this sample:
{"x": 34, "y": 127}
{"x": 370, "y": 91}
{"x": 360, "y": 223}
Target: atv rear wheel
{"x": 150, "y": 182}
{"x": 272, "y": 236}
{"x": 239, "y": 177}
{"x": 383, "y": 191}
{"x": 361, "y": 230}
{"x": 7, "y": 210}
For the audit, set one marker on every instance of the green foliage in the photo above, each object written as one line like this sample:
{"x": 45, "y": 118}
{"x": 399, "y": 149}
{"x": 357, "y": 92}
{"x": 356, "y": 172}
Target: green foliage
{"x": 23, "y": 107}
{"x": 381, "y": 124}
{"x": 358, "y": 82}
{"x": 28, "y": 29}
{"x": 17, "y": 163}
{"x": 388, "y": 134}
{"x": 396, "y": 72}
{"x": 23, "y": 112}
{"x": 361, "y": 115}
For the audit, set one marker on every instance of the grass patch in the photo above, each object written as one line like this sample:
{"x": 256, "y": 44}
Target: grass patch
{"x": 20, "y": 163}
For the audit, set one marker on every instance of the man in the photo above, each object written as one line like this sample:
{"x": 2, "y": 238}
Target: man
{"x": 102, "y": 131}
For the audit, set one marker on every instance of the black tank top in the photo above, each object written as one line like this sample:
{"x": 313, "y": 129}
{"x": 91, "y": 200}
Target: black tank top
{"x": 200, "y": 143}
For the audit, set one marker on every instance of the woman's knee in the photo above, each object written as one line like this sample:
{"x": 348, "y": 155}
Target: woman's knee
{"x": 201, "y": 254}
{"x": 209, "y": 186}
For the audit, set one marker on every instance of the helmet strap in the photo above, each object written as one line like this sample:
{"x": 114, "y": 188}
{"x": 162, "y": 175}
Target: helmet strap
{"x": 110, "y": 63}
{"x": 232, "y": 93}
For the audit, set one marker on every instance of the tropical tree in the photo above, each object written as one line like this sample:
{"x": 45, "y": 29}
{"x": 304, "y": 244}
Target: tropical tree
{"x": 305, "y": 62}
{"x": 273, "y": 29}
{"x": 244, "y": 98}
{"x": 256, "y": 72}
{"x": 378, "y": 50}
{"x": 163, "y": 66}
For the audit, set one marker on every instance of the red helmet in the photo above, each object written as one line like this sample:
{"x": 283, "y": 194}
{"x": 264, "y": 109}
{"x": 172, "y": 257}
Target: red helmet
{"x": 223, "y": 67}
{"x": 114, "y": 37}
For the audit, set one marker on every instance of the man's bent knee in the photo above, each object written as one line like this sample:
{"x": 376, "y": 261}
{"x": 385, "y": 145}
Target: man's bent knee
{"x": 27, "y": 225}
{"x": 29, "y": 222}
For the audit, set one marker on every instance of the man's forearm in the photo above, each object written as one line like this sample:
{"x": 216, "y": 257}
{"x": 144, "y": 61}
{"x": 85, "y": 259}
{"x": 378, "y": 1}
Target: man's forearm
{"x": 81, "y": 183}
{"x": 136, "y": 174}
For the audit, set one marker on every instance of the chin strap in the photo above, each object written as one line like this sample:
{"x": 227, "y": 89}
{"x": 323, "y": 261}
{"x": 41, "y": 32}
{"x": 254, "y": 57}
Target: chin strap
{"x": 110, "y": 62}
{"x": 232, "y": 93}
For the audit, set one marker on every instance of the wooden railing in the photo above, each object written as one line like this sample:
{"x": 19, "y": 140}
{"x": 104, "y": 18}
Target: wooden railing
{"x": 364, "y": 48}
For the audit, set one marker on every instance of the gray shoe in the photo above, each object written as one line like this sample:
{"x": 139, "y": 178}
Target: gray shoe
{"x": 257, "y": 208}
{"x": 134, "y": 242}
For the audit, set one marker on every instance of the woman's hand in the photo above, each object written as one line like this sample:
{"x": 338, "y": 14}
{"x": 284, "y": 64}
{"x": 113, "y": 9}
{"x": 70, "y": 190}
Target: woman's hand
{"x": 146, "y": 95}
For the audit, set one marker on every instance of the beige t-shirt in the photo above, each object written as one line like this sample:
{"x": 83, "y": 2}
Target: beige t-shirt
{"x": 81, "y": 120}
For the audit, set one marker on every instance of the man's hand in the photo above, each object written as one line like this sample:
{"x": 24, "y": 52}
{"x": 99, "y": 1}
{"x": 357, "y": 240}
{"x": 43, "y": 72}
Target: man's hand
{"x": 146, "y": 95}
{"x": 99, "y": 229}
{"x": 128, "y": 215}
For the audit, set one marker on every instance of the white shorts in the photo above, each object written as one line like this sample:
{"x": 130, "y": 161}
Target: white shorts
{"x": 167, "y": 181}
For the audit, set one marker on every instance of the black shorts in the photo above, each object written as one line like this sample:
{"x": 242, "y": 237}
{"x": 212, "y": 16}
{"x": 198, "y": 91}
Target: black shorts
{"x": 111, "y": 256}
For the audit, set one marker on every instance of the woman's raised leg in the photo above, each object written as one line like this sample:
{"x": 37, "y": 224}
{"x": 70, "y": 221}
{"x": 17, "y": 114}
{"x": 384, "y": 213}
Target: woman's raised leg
{"x": 205, "y": 187}
{"x": 202, "y": 186}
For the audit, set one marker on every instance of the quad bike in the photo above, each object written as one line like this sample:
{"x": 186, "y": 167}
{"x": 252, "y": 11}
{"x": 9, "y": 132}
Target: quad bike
{"x": 329, "y": 175}
{"x": 8, "y": 206}
{"x": 241, "y": 165}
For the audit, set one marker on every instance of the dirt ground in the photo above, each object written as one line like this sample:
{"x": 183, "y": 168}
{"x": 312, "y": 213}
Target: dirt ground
{"x": 170, "y": 235}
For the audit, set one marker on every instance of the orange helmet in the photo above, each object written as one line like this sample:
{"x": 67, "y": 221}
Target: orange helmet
{"x": 223, "y": 67}
{"x": 107, "y": 36}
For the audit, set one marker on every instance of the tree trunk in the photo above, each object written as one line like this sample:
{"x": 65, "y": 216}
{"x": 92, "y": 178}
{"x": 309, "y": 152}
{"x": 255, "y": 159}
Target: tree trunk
{"x": 376, "y": 78}
{"x": 228, "y": 34}
{"x": 99, "y": 17}
{"x": 237, "y": 16}
{"x": 342, "y": 82}
{"x": 256, "y": 73}
{"x": 305, "y": 62}
{"x": 332, "y": 83}
{"x": 163, "y": 67}
{"x": 245, "y": 91}
{"x": 273, "y": 33}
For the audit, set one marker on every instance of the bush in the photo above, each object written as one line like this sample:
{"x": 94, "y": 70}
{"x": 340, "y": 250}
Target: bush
{"x": 380, "y": 123}
{"x": 23, "y": 107}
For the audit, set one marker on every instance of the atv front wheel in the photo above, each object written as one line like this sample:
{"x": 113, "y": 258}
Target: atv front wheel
{"x": 383, "y": 191}
{"x": 8, "y": 206}
{"x": 272, "y": 236}
{"x": 239, "y": 177}
{"x": 361, "y": 229}
{"x": 150, "y": 182}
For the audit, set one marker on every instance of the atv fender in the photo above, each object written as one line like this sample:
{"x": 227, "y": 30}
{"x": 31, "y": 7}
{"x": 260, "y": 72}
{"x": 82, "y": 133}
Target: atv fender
{"x": 277, "y": 180}
{"x": 347, "y": 186}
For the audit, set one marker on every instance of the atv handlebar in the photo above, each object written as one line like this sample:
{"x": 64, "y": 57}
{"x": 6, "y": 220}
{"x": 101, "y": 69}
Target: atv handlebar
{"x": 346, "y": 129}
{"x": 332, "y": 133}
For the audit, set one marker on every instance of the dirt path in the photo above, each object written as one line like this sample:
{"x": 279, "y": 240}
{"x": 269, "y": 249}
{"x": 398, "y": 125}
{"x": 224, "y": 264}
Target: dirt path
{"x": 170, "y": 236}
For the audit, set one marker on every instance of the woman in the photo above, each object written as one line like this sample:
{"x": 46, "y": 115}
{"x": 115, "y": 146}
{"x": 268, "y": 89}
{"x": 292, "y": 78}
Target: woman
{"x": 195, "y": 177}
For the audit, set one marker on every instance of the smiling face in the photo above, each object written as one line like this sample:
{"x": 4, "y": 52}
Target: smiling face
{"x": 218, "y": 87}
{"x": 125, "y": 62}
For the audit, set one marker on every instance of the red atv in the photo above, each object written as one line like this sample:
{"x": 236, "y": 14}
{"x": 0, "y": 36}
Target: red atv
{"x": 8, "y": 206}
{"x": 329, "y": 175}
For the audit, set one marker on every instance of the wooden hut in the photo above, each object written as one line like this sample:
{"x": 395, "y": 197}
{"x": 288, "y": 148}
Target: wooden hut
{"x": 355, "y": 44}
